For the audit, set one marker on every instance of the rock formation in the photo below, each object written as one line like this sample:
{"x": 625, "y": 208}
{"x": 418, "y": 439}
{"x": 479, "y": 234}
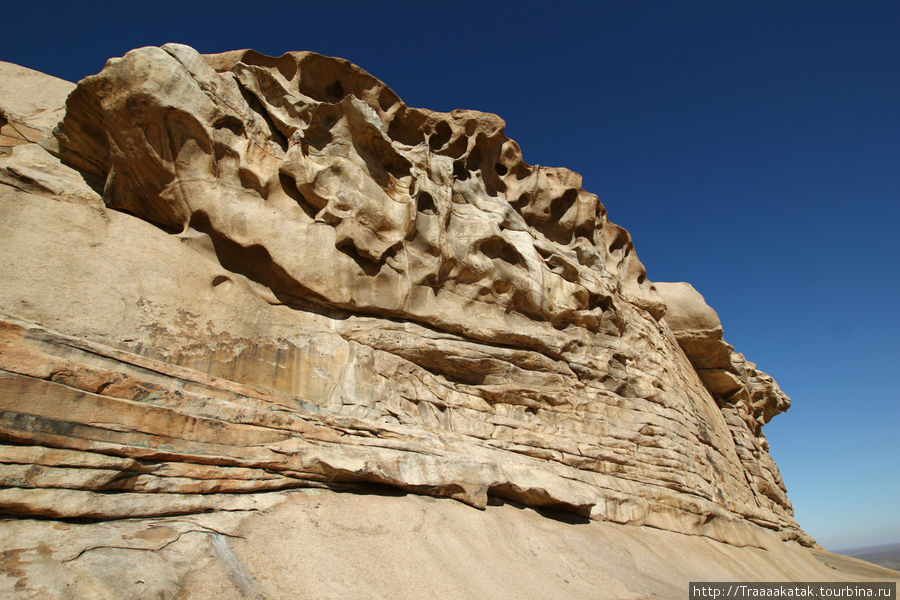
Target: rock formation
{"x": 226, "y": 276}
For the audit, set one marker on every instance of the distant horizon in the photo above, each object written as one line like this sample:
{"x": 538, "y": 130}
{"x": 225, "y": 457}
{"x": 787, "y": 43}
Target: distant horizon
{"x": 877, "y": 547}
{"x": 752, "y": 151}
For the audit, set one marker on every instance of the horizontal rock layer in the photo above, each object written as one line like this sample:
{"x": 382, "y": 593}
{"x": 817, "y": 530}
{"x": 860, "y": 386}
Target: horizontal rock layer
{"x": 237, "y": 273}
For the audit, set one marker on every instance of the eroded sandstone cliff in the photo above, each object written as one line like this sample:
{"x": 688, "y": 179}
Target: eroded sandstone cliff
{"x": 233, "y": 273}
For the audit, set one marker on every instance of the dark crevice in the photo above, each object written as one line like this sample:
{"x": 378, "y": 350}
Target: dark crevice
{"x": 96, "y": 183}
{"x": 381, "y": 158}
{"x": 540, "y": 500}
{"x": 604, "y": 303}
{"x": 249, "y": 180}
{"x": 259, "y": 108}
{"x": 290, "y": 188}
{"x": 74, "y": 520}
{"x": 548, "y": 512}
{"x": 436, "y": 362}
{"x": 369, "y": 267}
{"x": 473, "y": 162}
{"x": 222, "y": 151}
{"x": 318, "y": 134}
{"x": 253, "y": 261}
{"x": 231, "y": 123}
{"x": 24, "y": 179}
{"x": 15, "y": 187}
{"x": 367, "y": 489}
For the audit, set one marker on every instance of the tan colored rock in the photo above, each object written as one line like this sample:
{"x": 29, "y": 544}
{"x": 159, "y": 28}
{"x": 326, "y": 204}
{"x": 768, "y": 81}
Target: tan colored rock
{"x": 696, "y": 326}
{"x": 728, "y": 376}
{"x": 31, "y": 104}
{"x": 236, "y": 273}
{"x": 31, "y": 95}
{"x": 686, "y": 309}
{"x": 319, "y": 544}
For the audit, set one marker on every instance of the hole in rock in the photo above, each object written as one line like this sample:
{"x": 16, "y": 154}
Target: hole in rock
{"x": 500, "y": 169}
{"x": 335, "y": 92}
{"x": 501, "y": 287}
{"x": 440, "y": 136}
{"x": 457, "y": 147}
{"x": 496, "y": 247}
{"x": 386, "y": 99}
{"x": 407, "y": 126}
{"x": 459, "y": 171}
{"x": 560, "y": 206}
{"x": 231, "y": 123}
{"x": 318, "y": 135}
{"x": 316, "y": 71}
{"x": 604, "y": 303}
{"x": 521, "y": 202}
{"x": 249, "y": 180}
{"x": 425, "y": 204}
{"x": 619, "y": 242}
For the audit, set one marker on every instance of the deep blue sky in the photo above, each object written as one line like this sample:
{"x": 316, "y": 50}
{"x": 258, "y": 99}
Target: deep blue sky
{"x": 751, "y": 148}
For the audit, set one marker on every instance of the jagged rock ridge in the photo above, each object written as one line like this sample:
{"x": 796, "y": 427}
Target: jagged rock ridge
{"x": 269, "y": 273}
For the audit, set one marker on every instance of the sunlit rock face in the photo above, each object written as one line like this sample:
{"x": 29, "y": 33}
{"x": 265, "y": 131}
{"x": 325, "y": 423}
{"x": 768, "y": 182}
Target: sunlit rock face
{"x": 235, "y": 273}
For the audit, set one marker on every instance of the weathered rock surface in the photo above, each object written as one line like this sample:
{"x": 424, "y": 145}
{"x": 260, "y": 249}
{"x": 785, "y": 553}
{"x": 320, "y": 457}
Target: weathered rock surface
{"x": 234, "y": 273}
{"x": 32, "y": 104}
{"x": 330, "y": 546}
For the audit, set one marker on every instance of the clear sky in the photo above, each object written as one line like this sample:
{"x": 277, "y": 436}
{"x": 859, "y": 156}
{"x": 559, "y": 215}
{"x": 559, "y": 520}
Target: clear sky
{"x": 751, "y": 148}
